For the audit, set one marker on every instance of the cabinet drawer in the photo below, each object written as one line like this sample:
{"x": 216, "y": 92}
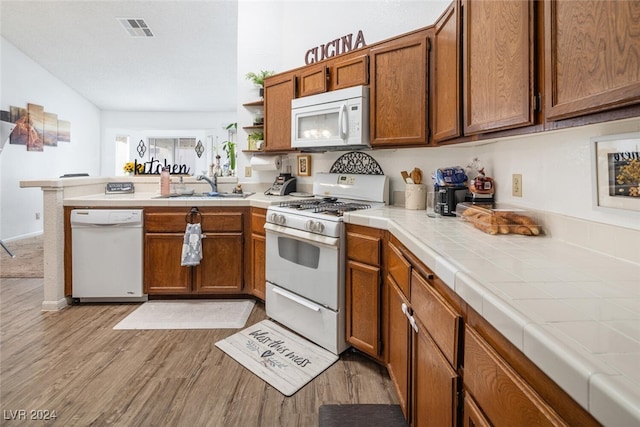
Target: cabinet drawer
{"x": 176, "y": 222}
{"x": 440, "y": 319}
{"x": 363, "y": 248}
{"x": 503, "y": 395}
{"x": 399, "y": 268}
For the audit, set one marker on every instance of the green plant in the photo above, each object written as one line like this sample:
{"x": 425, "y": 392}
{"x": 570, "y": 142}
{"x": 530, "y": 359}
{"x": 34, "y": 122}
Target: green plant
{"x": 256, "y": 135}
{"x": 258, "y": 79}
{"x": 229, "y": 146}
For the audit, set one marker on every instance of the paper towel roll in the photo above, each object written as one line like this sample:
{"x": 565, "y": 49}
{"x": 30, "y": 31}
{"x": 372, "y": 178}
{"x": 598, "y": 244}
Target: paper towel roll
{"x": 265, "y": 163}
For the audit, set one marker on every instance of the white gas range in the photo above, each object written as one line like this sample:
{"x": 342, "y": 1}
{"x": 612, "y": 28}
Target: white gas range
{"x": 305, "y": 261}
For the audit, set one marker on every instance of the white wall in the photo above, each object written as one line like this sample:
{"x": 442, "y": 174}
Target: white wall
{"x": 275, "y": 35}
{"x": 24, "y": 81}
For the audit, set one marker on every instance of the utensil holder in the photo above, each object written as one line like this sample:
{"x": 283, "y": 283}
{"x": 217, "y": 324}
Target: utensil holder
{"x": 415, "y": 196}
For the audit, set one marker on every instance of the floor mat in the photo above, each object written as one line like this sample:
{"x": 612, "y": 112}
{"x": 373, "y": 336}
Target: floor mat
{"x": 278, "y": 356}
{"x": 189, "y": 314}
{"x": 369, "y": 415}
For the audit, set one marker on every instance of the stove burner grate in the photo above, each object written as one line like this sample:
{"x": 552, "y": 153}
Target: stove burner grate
{"x": 339, "y": 208}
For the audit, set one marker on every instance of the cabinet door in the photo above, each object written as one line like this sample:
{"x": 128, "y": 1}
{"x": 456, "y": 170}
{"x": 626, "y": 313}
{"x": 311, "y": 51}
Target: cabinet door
{"x": 313, "y": 80}
{"x": 446, "y": 80}
{"x": 591, "y": 56}
{"x": 363, "y": 307}
{"x": 498, "y": 73}
{"x": 503, "y": 395}
{"x": 399, "y": 343}
{"x": 350, "y": 70}
{"x": 220, "y": 270}
{"x": 278, "y": 92}
{"x": 472, "y": 415}
{"x": 257, "y": 282}
{"x": 163, "y": 273}
{"x": 435, "y": 384}
{"x": 398, "y": 98}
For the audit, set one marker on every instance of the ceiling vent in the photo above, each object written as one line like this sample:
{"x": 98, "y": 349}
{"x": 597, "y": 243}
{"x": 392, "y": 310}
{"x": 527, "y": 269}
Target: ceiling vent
{"x": 135, "y": 27}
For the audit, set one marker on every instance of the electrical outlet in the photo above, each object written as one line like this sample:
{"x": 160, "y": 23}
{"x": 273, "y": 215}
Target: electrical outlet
{"x": 247, "y": 171}
{"x": 516, "y": 185}
{"x": 37, "y": 215}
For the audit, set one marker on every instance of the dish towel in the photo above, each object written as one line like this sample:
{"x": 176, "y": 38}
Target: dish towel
{"x": 192, "y": 247}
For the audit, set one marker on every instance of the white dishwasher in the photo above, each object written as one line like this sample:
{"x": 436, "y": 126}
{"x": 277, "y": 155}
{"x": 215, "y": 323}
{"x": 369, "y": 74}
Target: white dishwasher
{"x": 107, "y": 254}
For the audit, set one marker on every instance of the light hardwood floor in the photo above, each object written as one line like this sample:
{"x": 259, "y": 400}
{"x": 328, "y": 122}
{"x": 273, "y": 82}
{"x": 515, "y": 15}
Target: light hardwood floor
{"x": 73, "y": 362}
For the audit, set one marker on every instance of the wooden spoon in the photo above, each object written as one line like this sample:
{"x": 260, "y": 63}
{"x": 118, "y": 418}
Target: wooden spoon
{"x": 416, "y": 175}
{"x": 405, "y": 175}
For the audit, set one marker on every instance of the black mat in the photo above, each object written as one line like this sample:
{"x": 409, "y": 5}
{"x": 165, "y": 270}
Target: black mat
{"x": 368, "y": 415}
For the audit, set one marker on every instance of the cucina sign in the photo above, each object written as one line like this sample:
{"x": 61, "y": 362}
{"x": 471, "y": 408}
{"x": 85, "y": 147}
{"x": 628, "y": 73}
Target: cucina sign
{"x": 335, "y": 47}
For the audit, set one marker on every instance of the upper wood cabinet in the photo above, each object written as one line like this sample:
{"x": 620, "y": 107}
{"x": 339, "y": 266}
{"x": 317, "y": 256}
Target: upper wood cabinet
{"x": 279, "y": 90}
{"x": 498, "y": 65}
{"x": 349, "y": 70}
{"x": 592, "y": 56}
{"x": 445, "y": 76}
{"x": 313, "y": 79}
{"x": 398, "y": 91}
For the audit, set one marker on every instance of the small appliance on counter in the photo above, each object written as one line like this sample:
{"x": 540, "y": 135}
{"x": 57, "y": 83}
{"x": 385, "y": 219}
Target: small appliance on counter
{"x": 283, "y": 185}
{"x": 450, "y": 188}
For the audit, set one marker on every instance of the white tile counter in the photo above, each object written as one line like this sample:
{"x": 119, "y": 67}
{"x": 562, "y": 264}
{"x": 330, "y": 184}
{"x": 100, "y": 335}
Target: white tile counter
{"x": 574, "y": 312}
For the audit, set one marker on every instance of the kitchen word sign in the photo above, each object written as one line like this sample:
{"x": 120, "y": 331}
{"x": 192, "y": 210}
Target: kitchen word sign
{"x": 335, "y": 47}
{"x": 154, "y": 167}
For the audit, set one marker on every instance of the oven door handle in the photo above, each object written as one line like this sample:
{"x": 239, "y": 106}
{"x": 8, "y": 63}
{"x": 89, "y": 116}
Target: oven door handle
{"x": 302, "y": 235}
{"x": 297, "y": 299}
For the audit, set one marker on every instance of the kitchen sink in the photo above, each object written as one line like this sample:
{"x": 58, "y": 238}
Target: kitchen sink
{"x": 207, "y": 196}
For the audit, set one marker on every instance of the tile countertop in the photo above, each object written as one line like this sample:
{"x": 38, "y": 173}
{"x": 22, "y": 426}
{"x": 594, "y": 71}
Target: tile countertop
{"x": 574, "y": 312}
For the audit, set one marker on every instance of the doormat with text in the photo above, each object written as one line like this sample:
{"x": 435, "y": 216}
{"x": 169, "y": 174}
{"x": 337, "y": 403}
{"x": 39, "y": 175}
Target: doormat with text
{"x": 280, "y": 357}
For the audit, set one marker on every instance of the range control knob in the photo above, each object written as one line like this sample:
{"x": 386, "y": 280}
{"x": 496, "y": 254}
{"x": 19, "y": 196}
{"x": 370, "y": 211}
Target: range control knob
{"x": 314, "y": 226}
{"x": 277, "y": 218}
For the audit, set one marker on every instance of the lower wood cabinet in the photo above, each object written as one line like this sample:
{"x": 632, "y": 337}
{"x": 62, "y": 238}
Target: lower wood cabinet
{"x": 501, "y": 394}
{"x": 221, "y": 269}
{"x": 257, "y": 253}
{"x": 363, "y": 289}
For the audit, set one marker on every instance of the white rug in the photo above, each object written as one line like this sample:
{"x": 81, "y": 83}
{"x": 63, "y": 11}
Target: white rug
{"x": 278, "y": 356}
{"x": 189, "y": 314}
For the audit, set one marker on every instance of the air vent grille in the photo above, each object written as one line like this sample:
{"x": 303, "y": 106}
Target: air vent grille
{"x": 135, "y": 27}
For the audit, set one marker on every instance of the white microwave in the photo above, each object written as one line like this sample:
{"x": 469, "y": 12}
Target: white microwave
{"x": 331, "y": 120}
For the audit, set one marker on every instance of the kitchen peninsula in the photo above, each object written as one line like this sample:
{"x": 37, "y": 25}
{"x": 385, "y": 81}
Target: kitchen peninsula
{"x": 572, "y": 311}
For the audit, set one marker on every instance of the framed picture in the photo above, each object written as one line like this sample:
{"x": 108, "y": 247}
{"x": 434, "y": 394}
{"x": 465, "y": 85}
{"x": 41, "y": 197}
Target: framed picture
{"x": 304, "y": 165}
{"x": 616, "y": 166}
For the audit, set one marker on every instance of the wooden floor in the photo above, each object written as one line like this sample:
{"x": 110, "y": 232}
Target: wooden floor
{"x": 73, "y": 362}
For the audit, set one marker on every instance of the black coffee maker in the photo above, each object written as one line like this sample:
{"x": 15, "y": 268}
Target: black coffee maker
{"x": 446, "y": 199}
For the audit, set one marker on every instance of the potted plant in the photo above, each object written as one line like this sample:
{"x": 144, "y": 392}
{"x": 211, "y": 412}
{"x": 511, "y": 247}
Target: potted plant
{"x": 254, "y": 139}
{"x": 258, "y": 78}
{"x": 229, "y": 146}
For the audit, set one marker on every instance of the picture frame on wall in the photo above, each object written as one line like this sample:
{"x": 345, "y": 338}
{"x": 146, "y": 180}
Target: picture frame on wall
{"x": 616, "y": 171}
{"x": 304, "y": 165}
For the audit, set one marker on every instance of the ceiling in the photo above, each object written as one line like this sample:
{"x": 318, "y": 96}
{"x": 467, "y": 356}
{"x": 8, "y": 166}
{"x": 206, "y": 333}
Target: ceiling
{"x": 189, "y": 65}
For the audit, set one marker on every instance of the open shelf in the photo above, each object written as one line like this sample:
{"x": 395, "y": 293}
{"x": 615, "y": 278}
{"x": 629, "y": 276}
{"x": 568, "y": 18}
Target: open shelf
{"x": 259, "y": 103}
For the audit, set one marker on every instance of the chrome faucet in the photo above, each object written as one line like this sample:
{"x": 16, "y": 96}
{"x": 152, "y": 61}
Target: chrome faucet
{"x": 213, "y": 184}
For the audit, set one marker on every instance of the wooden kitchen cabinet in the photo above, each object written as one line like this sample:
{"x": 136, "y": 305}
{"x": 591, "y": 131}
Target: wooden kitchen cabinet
{"x": 591, "y": 56}
{"x": 222, "y": 264}
{"x": 349, "y": 70}
{"x": 363, "y": 289}
{"x": 445, "y": 82}
{"x": 501, "y": 394}
{"x": 257, "y": 281}
{"x": 399, "y": 91}
{"x": 422, "y": 360}
{"x": 313, "y": 79}
{"x": 279, "y": 90}
{"x": 498, "y": 65}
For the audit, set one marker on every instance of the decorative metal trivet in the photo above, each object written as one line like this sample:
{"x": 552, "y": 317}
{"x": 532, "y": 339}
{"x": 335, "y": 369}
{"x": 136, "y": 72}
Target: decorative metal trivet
{"x": 199, "y": 149}
{"x": 356, "y": 162}
{"x": 141, "y": 148}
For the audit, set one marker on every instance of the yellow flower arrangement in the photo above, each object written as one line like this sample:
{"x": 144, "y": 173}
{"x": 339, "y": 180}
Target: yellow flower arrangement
{"x": 130, "y": 167}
